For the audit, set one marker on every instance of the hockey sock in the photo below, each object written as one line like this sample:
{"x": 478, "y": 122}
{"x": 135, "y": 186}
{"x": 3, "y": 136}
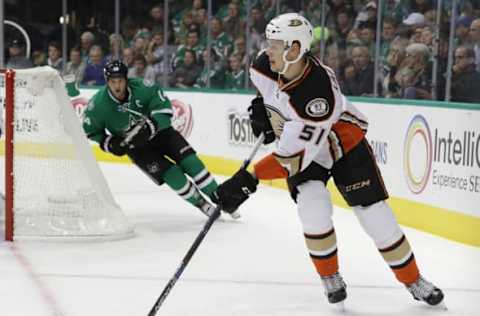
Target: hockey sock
{"x": 195, "y": 168}
{"x": 401, "y": 260}
{"x": 323, "y": 252}
{"x": 176, "y": 180}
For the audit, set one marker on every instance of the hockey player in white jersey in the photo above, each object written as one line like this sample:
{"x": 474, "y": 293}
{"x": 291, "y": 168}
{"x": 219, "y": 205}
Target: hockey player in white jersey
{"x": 319, "y": 135}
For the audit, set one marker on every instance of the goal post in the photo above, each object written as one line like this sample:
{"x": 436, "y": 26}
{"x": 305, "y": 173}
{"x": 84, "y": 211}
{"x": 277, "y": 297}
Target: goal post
{"x": 9, "y": 79}
{"x": 53, "y": 186}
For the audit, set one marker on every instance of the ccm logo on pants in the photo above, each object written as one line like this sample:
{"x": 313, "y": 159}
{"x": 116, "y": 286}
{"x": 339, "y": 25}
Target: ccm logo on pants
{"x": 357, "y": 185}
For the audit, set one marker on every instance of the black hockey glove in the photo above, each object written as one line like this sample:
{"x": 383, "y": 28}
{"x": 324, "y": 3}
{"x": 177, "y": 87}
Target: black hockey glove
{"x": 139, "y": 134}
{"x": 234, "y": 191}
{"x": 260, "y": 121}
{"x": 114, "y": 144}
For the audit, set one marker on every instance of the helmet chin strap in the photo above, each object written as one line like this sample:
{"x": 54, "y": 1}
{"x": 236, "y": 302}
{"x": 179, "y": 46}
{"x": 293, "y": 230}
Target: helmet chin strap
{"x": 287, "y": 63}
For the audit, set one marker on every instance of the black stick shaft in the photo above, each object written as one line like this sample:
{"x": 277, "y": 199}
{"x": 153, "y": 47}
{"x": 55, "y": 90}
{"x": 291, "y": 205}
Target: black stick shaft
{"x": 198, "y": 241}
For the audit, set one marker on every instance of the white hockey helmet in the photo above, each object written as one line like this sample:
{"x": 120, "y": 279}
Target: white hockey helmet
{"x": 291, "y": 27}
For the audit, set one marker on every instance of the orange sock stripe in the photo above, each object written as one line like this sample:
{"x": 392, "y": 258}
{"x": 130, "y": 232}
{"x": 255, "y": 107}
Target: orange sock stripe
{"x": 326, "y": 266}
{"x": 408, "y": 272}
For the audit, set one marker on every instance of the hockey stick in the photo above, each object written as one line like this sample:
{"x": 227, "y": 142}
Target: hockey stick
{"x": 136, "y": 128}
{"x": 198, "y": 240}
{"x": 130, "y": 134}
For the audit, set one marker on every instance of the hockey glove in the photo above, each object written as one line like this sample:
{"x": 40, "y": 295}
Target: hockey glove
{"x": 260, "y": 121}
{"x": 139, "y": 134}
{"x": 114, "y": 144}
{"x": 234, "y": 191}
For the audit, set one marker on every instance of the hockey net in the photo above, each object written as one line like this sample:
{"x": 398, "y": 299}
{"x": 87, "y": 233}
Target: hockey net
{"x": 53, "y": 186}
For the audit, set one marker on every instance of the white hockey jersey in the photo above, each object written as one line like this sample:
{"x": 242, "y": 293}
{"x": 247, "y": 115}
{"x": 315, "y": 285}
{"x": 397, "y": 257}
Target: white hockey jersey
{"x": 312, "y": 119}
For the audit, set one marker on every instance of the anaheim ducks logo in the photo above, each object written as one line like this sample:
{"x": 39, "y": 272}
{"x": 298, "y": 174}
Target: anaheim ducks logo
{"x": 182, "y": 119}
{"x": 317, "y": 107}
{"x": 295, "y": 22}
{"x": 276, "y": 119}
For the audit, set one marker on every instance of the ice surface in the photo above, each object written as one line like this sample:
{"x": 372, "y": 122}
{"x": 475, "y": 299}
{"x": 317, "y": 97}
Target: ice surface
{"x": 256, "y": 266}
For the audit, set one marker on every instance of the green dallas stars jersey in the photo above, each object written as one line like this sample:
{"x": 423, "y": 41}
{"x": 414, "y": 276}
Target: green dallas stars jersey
{"x": 235, "y": 81}
{"x": 180, "y": 53}
{"x": 105, "y": 113}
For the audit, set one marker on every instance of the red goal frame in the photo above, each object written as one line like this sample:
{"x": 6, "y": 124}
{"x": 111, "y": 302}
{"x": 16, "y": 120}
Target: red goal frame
{"x": 9, "y": 76}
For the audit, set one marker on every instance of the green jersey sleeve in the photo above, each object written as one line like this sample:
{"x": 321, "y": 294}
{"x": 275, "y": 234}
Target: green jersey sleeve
{"x": 160, "y": 108}
{"x": 92, "y": 124}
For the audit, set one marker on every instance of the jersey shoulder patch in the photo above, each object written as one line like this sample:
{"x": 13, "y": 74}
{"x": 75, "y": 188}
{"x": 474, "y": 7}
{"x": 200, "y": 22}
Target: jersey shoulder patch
{"x": 148, "y": 83}
{"x": 313, "y": 99}
{"x": 137, "y": 83}
{"x": 317, "y": 107}
{"x": 143, "y": 88}
{"x": 262, "y": 65}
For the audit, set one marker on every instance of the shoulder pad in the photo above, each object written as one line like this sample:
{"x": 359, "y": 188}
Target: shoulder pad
{"x": 313, "y": 98}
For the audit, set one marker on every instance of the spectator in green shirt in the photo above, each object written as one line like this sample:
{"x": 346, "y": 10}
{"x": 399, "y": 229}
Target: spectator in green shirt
{"x": 235, "y": 77}
{"x": 221, "y": 41}
{"x": 388, "y": 34}
{"x": 216, "y": 73}
{"x": 193, "y": 43}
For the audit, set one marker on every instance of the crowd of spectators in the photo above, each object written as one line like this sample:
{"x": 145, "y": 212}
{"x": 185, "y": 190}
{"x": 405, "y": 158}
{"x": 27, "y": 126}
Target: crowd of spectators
{"x": 408, "y": 49}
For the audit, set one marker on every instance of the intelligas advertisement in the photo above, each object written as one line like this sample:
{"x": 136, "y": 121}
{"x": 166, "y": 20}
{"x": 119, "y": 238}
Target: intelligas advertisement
{"x": 433, "y": 154}
{"x": 442, "y": 157}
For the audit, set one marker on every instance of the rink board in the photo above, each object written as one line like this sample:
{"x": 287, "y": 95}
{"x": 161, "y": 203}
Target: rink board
{"x": 428, "y": 153}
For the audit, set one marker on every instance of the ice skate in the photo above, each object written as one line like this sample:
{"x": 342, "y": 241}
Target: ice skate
{"x": 422, "y": 290}
{"x": 335, "y": 290}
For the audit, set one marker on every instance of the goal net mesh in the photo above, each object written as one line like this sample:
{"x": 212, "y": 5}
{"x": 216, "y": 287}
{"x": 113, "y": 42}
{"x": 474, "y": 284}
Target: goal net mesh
{"x": 58, "y": 188}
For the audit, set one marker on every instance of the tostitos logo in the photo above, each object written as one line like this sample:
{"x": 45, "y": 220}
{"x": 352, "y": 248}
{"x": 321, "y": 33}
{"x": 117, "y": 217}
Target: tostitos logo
{"x": 417, "y": 154}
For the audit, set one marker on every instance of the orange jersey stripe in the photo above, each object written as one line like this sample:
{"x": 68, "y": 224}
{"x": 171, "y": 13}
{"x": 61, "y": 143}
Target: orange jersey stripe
{"x": 268, "y": 168}
{"x": 349, "y": 134}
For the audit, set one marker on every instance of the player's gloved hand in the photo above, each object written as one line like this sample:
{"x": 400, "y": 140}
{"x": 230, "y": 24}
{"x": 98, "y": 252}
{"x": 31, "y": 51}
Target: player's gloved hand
{"x": 114, "y": 144}
{"x": 139, "y": 134}
{"x": 259, "y": 120}
{"x": 234, "y": 191}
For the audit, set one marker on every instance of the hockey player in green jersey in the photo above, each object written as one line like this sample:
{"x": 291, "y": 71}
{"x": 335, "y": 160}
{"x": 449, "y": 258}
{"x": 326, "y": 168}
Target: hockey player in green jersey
{"x": 133, "y": 117}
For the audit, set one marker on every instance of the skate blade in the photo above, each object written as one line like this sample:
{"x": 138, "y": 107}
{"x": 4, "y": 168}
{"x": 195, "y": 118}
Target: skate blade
{"x": 235, "y": 215}
{"x": 340, "y": 306}
{"x": 441, "y": 306}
